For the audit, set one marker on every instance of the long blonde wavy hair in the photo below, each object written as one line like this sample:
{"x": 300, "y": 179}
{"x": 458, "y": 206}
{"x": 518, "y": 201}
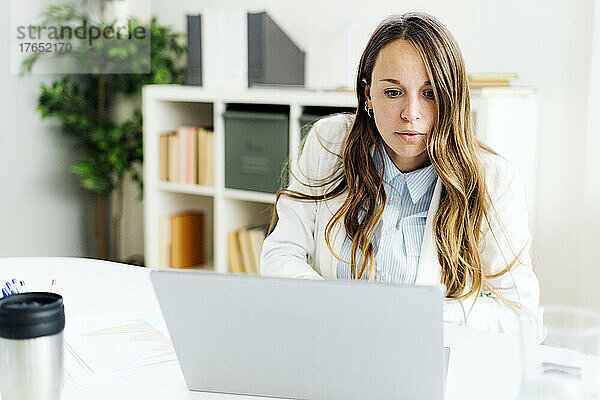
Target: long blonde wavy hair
{"x": 452, "y": 148}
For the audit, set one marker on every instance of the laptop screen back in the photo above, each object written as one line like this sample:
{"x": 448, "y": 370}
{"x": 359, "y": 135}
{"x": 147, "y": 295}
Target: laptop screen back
{"x": 304, "y": 339}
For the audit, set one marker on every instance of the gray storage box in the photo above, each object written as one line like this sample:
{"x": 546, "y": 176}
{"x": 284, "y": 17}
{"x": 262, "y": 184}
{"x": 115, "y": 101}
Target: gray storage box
{"x": 194, "y": 50}
{"x": 256, "y": 149}
{"x": 273, "y": 59}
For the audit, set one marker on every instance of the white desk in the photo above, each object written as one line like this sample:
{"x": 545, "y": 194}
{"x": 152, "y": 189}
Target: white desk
{"x": 482, "y": 364}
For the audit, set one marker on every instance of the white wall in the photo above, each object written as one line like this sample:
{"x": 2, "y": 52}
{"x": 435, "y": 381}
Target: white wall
{"x": 590, "y": 210}
{"x": 545, "y": 42}
{"x": 42, "y": 209}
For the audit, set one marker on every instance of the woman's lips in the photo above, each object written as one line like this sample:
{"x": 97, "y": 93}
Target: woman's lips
{"x": 410, "y": 136}
{"x": 408, "y": 132}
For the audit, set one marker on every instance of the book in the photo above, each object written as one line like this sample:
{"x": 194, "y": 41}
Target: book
{"x": 257, "y": 236}
{"x": 475, "y": 84}
{"x": 247, "y": 251}
{"x": 490, "y": 77}
{"x": 187, "y": 156}
{"x": 201, "y": 157}
{"x": 173, "y": 145}
{"x": 187, "y": 239}
{"x": 244, "y": 247}
{"x": 164, "y": 157}
{"x": 205, "y": 157}
{"x": 182, "y": 154}
{"x": 490, "y": 80}
{"x": 191, "y": 166}
{"x": 234, "y": 253}
{"x": 209, "y": 172}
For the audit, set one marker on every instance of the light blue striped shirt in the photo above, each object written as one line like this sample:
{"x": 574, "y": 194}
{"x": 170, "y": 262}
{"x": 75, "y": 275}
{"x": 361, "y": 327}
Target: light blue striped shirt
{"x": 398, "y": 236}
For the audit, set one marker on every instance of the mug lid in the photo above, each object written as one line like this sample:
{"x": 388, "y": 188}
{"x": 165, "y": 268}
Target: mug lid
{"x": 31, "y": 315}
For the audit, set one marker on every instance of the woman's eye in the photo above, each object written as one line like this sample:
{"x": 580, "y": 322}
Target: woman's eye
{"x": 395, "y": 93}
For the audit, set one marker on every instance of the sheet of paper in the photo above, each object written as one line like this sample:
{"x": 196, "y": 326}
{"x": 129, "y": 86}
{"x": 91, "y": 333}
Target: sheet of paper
{"x": 109, "y": 346}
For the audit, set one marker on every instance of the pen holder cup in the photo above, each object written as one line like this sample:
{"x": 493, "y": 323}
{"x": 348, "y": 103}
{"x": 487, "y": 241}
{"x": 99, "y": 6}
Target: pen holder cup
{"x": 31, "y": 346}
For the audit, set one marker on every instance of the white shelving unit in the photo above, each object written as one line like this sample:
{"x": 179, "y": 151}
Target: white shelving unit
{"x": 506, "y": 117}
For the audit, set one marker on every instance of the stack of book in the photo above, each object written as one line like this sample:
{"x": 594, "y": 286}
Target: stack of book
{"x": 181, "y": 240}
{"x": 490, "y": 80}
{"x": 244, "y": 247}
{"x": 187, "y": 156}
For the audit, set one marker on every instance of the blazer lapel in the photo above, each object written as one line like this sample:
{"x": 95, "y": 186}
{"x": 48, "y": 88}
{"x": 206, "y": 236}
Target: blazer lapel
{"x": 428, "y": 269}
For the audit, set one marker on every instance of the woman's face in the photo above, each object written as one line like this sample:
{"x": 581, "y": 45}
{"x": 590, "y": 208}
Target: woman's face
{"x": 402, "y": 99}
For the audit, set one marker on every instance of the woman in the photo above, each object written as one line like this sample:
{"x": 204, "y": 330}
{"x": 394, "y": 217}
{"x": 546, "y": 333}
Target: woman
{"x": 403, "y": 192}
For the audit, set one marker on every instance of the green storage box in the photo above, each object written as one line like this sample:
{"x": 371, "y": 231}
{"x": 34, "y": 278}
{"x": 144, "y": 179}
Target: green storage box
{"x": 312, "y": 114}
{"x": 256, "y": 149}
{"x": 306, "y": 122}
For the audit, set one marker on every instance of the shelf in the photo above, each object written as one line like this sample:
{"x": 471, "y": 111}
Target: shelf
{"x": 262, "y": 95}
{"x": 504, "y": 115}
{"x": 186, "y": 188}
{"x": 234, "y": 194}
{"x": 248, "y": 195}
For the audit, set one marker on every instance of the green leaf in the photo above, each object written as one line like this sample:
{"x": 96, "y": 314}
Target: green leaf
{"x": 118, "y": 53}
{"x": 76, "y": 100}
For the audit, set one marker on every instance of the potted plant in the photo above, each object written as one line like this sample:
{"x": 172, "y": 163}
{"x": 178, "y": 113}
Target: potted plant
{"x": 83, "y": 103}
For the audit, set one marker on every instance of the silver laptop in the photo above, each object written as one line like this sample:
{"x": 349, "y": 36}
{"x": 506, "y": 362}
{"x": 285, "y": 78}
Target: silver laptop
{"x": 304, "y": 339}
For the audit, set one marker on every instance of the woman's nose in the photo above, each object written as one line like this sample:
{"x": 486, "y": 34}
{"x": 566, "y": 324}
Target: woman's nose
{"x": 411, "y": 110}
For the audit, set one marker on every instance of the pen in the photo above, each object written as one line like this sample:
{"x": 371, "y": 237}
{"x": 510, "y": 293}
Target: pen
{"x": 22, "y": 286}
{"x": 9, "y": 288}
{"x": 52, "y": 285}
{"x": 5, "y": 293}
{"x": 14, "y": 286}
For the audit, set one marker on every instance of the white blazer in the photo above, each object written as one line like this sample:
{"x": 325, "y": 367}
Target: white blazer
{"x": 297, "y": 246}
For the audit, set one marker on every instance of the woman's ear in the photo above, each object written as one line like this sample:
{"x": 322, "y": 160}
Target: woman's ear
{"x": 367, "y": 93}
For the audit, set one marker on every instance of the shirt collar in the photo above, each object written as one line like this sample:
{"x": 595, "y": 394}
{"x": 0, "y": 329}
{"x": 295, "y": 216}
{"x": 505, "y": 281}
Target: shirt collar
{"x": 417, "y": 182}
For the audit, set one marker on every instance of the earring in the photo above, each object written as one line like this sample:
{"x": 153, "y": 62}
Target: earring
{"x": 368, "y": 110}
